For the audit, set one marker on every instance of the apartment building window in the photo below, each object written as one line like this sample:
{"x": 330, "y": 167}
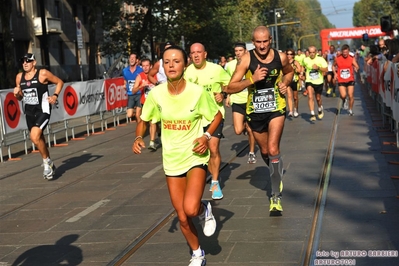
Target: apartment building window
{"x": 36, "y": 9}
{"x": 61, "y": 54}
{"x": 20, "y": 7}
{"x": 74, "y": 11}
{"x": 57, "y": 9}
{"x": 85, "y": 15}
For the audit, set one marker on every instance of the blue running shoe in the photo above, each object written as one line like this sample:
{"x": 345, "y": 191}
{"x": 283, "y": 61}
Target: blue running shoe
{"x": 216, "y": 190}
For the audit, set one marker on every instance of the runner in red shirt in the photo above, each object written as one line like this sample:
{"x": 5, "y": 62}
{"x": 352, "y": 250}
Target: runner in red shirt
{"x": 344, "y": 66}
{"x": 143, "y": 84}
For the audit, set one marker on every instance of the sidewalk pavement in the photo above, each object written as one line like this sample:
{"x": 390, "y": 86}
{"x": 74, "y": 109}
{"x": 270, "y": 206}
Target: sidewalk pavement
{"x": 104, "y": 197}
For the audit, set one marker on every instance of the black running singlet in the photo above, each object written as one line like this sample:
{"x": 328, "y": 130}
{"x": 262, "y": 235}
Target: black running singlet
{"x": 264, "y": 95}
{"x": 35, "y": 95}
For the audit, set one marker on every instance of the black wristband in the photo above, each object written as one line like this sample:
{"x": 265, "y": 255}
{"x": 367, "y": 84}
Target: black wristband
{"x": 56, "y": 94}
{"x": 224, "y": 94}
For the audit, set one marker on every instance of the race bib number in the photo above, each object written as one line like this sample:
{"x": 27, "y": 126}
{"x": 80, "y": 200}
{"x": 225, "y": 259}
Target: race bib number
{"x": 314, "y": 74}
{"x": 31, "y": 97}
{"x": 264, "y": 100}
{"x": 147, "y": 90}
{"x": 345, "y": 73}
{"x": 130, "y": 85}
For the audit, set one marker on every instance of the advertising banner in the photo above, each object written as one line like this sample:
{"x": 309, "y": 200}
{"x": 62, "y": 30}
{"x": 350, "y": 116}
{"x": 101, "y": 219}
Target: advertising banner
{"x": 395, "y": 92}
{"x": 12, "y": 112}
{"x": 115, "y": 93}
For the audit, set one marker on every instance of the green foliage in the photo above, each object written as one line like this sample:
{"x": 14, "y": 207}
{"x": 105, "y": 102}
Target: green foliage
{"x": 368, "y": 12}
{"x": 215, "y": 23}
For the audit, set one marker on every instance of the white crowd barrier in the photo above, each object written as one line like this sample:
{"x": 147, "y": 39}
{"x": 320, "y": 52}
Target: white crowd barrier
{"x": 382, "y": 81}
{"x": 79, "y": 104}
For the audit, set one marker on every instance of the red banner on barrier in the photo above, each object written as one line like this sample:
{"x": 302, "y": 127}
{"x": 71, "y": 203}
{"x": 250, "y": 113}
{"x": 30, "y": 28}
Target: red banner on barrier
{"x": 115, "y": 93}
{"x": 12, "y": 111}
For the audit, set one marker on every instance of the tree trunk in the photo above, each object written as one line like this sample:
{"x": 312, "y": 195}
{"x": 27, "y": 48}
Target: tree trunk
{"x": 7, "y": 66}
{"x": 92, "y": 42}
{"x": 143, "y": 33}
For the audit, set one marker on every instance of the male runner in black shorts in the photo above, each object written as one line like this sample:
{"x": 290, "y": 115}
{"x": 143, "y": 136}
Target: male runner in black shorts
{"x": 32, "y": 89}
{"x": 267, "y": 80}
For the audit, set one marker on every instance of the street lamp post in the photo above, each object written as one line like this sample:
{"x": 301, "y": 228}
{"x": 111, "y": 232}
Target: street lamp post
{"x": 276, "y": 12}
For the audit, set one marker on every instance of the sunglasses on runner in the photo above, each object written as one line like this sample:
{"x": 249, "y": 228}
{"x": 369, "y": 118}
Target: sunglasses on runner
{"x": 27, "y": 60}
{"x": 290, "y": 54}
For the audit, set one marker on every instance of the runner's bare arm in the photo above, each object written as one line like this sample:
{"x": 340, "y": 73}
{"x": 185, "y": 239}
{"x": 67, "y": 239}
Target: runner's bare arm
{"x": 137, "y": 84}
{"x": 238, "y": 84}
{"x": 17, "y": 90}
{"x": 153, "y": 71}
{"x": 138, "y": 143}
{"x": 288, "y": 71}
{"x": 46, "y": 76}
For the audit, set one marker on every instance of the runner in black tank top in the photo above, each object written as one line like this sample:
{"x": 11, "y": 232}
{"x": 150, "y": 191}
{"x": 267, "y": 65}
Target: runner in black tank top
{"x": 267, "y": 76}
{"x": 32, "y": 89}
{"x": 35, "y": 96}
{"x": 264, "y": 96}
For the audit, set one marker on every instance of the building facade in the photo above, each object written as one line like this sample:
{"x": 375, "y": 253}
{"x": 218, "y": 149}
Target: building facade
{"x": 63, "y": 46}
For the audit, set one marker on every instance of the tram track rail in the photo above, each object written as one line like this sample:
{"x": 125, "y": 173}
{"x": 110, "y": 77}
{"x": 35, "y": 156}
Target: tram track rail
{"x": 146, "y": 235}
{"x": 129, "y": 251}
{"x": 315, "y": 230}
{"x": 317, "y": 221}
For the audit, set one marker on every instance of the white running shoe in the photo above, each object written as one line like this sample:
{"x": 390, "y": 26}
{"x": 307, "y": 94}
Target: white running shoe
{"x": 251, "y": 158}
{"x": 152, "y": 146}
{"x": 208, "y": 222}
{"x": 49, "y": 170}
{"x": 346, "y": 104}
{"x": 296, "y": 114}
{"x": 198, "y": 260}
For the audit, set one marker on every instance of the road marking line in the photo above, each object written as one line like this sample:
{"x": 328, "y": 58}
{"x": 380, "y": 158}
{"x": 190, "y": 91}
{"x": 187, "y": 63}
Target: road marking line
{"x": 152, "y": 172}
{"x": 87, "y": 211}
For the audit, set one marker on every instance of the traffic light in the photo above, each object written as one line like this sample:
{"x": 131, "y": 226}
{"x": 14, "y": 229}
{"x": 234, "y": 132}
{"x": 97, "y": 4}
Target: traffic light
{"x": 386, "y": 23}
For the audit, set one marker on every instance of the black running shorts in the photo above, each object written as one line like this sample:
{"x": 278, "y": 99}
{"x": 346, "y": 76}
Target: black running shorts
{"x": 346, "y": 84}
{"x": 318, "y": 89}
{"x": 260, "y": 122}
{"x": 239, "y": 108}
{"x": 38, "y": 119}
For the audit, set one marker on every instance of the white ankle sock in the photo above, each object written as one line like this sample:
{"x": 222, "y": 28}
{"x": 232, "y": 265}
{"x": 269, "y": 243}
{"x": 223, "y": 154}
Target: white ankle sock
{"x": 198, "y": 252}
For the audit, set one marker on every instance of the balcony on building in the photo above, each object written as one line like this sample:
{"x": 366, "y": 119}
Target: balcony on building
{"x": 53, "y": 26}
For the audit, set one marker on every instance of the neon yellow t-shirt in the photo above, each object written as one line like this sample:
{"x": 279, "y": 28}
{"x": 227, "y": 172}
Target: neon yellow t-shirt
{"x": 300, "y": 58}
{"x": 211, "y": 77}
{"x": 180, "y": 117}
{"x": 312, "y": 75}
{"x": 239, "y": 97}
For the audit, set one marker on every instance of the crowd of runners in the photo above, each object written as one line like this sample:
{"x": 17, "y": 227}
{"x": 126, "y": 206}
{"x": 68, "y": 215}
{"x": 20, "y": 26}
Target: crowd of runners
{"x": 183, "y": 98}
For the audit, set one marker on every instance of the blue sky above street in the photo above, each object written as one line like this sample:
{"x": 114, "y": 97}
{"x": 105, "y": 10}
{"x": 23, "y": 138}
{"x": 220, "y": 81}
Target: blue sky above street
{"x": 338, "y": 12}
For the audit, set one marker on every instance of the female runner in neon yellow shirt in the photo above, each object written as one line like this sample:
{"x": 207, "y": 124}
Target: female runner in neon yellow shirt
{"x": 180, "y": 106}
